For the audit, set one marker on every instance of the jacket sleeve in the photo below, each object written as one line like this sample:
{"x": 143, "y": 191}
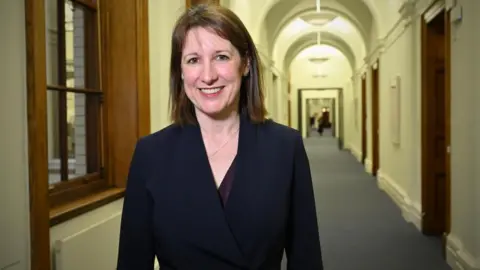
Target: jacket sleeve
{"x": 303, "y": 242}
{"x": 136, "y": 243}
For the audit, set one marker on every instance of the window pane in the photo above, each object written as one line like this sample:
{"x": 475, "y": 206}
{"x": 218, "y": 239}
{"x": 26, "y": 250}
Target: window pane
{"x": 66, "y": 44}
{"x": 75, "y": 45}
{"x": 73, "y": 129}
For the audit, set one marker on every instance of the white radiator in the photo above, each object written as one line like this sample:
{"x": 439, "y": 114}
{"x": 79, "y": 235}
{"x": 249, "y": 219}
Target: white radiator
{"x": 94, "y": 248}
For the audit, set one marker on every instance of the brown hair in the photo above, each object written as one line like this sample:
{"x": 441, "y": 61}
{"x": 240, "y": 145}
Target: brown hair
{"x": 227, "y": 25}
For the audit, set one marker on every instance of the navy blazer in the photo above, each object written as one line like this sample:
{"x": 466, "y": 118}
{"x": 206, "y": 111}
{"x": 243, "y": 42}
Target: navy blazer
{"x": 172, "y": 209}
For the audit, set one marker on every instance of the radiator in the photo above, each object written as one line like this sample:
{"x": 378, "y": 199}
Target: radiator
{"x": 94, "y": 248}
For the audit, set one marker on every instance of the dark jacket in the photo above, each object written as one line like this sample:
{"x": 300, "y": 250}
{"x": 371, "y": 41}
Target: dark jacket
{"x": 172, "y": 209}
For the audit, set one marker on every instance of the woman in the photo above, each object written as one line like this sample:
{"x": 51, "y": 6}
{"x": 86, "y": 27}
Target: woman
{"x": 220, "y": 188}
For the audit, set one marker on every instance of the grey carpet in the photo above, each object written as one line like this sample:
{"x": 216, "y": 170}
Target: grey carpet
{"x": 360, "y": 226}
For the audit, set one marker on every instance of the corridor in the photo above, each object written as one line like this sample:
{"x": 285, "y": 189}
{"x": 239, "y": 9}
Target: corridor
{"x": 360, "y": 226}
{"x": 395, "y": 82}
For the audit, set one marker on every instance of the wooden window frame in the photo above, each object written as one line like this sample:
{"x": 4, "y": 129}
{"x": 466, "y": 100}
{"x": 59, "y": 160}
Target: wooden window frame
{"x": 124, "y": 81}
{"x": 70, "y": 190}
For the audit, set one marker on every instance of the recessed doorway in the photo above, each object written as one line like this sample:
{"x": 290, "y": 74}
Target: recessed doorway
{"x": 436, "y": 122}
{"x": 364, "y": 118}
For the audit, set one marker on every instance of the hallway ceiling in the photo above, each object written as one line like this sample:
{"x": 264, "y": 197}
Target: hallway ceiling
{"x": 291, "y": 26}
{"x": 309, "y": 39}
{"x": 282, "y": 12}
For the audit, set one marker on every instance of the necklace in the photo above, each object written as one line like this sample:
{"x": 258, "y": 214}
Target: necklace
{"x": 224, "y": 143}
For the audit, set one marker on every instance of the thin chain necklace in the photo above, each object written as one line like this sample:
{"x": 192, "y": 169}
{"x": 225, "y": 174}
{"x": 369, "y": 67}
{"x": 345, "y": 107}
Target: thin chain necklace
{"x": 224, "y": 143}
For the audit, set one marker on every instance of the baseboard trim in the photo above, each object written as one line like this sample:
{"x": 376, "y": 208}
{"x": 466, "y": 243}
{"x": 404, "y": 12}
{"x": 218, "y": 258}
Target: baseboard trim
{"x": 410, "y": 210}
{"x": 458, "y": 257}
{"x": 368, "y": 165}
{"x": 357, "y": 154}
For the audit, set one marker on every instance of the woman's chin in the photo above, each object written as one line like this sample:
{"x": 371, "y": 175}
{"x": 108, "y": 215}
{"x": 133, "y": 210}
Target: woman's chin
{"x": 215, "y": 111}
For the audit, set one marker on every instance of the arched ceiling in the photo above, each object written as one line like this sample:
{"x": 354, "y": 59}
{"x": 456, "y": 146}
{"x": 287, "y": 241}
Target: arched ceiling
{"x": 283, "y": 12}
{"x": 309, "y": 40}
{"x": 340, "y": 32}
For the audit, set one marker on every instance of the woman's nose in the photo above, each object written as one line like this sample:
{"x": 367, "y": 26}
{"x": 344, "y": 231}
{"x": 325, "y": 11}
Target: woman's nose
{"x": 209, "y": 74}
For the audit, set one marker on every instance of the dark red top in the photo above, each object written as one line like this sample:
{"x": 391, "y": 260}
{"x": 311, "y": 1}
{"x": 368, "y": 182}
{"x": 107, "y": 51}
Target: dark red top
{"x": 226, "y": 185}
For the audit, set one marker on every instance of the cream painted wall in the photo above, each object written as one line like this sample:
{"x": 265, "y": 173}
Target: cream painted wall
{"x": 14, "y": 224}
{"x": 352, "y": 116}
{"x": 465, "y": 126}
{"x": 162, "y": 16}
{"x": 400, "y": 164}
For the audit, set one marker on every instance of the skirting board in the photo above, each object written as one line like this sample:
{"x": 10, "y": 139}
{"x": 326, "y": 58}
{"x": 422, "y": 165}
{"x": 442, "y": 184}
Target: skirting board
{"x": 410, "y": 211}
{"x": 368, "y": 165}
{"x": 457, "y": 257}
{"x": 355, "y": 152}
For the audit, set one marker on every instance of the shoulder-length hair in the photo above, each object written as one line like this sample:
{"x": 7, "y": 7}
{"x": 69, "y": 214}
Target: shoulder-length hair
{"x": 227, "y": 25}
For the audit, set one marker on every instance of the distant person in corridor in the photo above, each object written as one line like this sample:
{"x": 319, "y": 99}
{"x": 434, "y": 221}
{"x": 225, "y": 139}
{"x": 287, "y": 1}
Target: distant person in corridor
{"x": 222, "y": 187}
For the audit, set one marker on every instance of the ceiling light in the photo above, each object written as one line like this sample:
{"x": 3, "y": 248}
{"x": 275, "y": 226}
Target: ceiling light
{"x": 319, "y": 75}
{"x": 318, "y": 19}
{"x": 318, "y": 60}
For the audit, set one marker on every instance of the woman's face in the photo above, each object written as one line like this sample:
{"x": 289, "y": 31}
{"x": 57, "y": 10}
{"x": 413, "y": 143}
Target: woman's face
{"x": 211, "y": 70}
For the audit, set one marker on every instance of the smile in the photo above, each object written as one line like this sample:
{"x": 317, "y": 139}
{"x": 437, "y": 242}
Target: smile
{"x": 211, "y": 90}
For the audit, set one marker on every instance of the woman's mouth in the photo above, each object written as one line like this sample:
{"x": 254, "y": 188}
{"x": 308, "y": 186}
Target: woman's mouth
{"x": 211, "y": 92}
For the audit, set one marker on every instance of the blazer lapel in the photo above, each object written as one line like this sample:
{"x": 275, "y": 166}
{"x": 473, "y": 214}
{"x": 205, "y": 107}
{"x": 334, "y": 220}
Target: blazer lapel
{"x": 243, "y": 201}
{"x": 208, "y": 229}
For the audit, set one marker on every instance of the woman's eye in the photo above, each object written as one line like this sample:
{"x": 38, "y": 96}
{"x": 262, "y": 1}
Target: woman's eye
{"x": 222, "y": 57}
{"x": 192, "y": 60}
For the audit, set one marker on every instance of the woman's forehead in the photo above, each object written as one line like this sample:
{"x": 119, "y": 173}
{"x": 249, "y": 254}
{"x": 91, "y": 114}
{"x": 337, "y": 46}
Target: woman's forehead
{"x": 201, "y": 40}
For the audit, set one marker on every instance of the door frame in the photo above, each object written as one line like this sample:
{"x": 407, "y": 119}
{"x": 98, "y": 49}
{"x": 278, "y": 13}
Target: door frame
{"x": 340, "y": 110}
{"x": 364, "y": 117}
{"x": 436, "y": 9}
{"x": 375, "y": 128}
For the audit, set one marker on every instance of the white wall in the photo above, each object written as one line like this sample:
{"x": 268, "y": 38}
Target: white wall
{"x": 14, "y": 222}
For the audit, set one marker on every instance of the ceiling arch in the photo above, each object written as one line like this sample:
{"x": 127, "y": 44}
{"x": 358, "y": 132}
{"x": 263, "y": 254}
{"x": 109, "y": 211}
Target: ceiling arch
{"x": 309, "y": 40}
{"x": 281, "y": 12}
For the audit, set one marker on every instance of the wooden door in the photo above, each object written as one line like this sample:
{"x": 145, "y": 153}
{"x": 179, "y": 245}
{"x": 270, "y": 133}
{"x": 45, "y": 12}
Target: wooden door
{"x": 326, "y": 118}
{"x": 333, "y": 117}
{"x": 375, "y": 119}
{"x": 436, "y": 125}
{"x": 364, "y": 118}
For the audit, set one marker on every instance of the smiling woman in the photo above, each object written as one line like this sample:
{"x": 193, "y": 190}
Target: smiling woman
{"x": 222, "y": 187}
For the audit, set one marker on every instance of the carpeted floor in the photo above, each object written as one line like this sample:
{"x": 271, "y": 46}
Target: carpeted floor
{"x": 360, "y": 226}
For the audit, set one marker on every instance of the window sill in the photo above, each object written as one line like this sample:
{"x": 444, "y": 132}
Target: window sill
{"x": 70, "y": 210}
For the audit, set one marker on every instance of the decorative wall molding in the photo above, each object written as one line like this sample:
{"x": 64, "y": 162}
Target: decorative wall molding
{"x": 375, "y": 54}
{"x": 355, "y": 152}
{"x": 408, "y": 12}
{"x": 434, "y": 10}
{"x": 368, "y": 165}
{"x": 411, "y": 211}
{"x": 458, "y": 257}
